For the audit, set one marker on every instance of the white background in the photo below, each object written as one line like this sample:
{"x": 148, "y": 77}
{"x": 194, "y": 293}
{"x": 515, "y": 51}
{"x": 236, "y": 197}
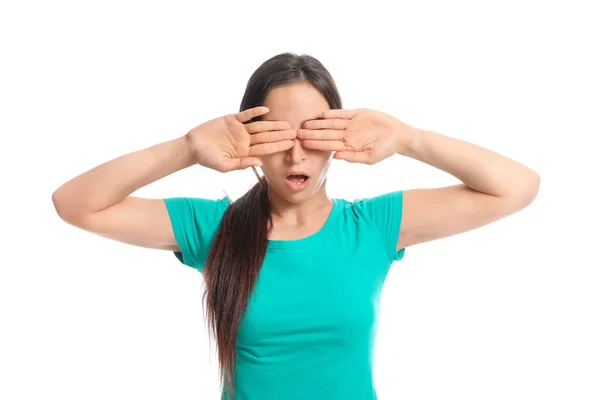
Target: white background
{"x": 507, "y": 311}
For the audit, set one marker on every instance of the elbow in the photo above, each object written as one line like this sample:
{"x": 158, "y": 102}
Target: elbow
{"x": 58, "y": 205}
{"x": 62, "y": 207}
{"x": 533, "y": 187}
{"x": 528, "y": 192}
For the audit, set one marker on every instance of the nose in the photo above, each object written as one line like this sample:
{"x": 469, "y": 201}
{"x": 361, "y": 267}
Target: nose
{"x": 296, "y": 152}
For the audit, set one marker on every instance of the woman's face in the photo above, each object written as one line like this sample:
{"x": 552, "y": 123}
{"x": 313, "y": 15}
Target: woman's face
{"x": 296, "y": 103}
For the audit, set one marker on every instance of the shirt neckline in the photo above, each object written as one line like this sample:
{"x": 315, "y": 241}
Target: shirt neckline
{"x": 308, "y": 240}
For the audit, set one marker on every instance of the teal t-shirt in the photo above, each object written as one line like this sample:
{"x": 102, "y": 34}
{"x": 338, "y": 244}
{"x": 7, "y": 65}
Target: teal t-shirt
{"x": 310, "y": 327}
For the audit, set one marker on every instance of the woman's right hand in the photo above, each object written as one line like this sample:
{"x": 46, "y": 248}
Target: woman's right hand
{"x": 226, "y": 144}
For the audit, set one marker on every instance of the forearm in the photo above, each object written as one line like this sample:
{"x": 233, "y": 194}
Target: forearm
{"x": 111, "y": 182}
{"x": 480, "y": 169}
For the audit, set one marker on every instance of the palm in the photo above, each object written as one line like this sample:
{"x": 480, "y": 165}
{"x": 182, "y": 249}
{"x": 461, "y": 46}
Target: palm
{"x": 376, "y": 148}
{"x": 226, "y": 144}
{"x": 237, "y": 139}
{"x": 361, "y": 135}
{"x": 225, "y": 141}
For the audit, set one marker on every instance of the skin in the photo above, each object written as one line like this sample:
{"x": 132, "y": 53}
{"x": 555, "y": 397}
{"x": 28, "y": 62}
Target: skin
{"x": 494, "y": 186}
{"x": 296, "y": 214}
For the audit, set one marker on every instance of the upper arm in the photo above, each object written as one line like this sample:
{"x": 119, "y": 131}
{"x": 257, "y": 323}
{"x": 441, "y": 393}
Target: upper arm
{"x": 431, "y": 214}
{"x": 195, "y": 222}
{"x": 184, "y": 225}
{"x": 134, "y": 220}
{"x": 385, "y": 212}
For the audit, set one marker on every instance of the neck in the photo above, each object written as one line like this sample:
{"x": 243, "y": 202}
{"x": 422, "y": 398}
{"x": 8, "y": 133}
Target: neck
{"x": 299, "y": 212}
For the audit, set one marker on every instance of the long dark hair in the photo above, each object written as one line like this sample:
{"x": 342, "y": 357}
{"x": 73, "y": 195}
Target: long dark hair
{"x": 240, "y": 244}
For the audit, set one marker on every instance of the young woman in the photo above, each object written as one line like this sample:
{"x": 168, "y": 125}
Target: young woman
{"x": 293, "y": 277}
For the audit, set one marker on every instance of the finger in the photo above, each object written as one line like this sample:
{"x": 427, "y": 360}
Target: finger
{"x": 339, "y": 113}
{"x": 274, "y": 136}
{"x": 250, "y": 113}
{"x": 261, "y": 126}
{"x": 352, "y": 156}
{"x": 320, "y": 134}
{"x": 241, "y": 163}
{"x": 324, "y": 145}
{"x": 264, "y": 149}
{"x": 326, "y": 124}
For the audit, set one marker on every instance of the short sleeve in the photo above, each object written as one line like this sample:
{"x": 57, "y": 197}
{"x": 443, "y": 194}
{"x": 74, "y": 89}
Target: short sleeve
{"x": 385, "y": 211}
{"x": 195, "y": 222}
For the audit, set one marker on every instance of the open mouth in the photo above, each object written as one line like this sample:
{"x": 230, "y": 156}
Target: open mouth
{"x": 297, "y": 179}
{"x": 297, "y": 182}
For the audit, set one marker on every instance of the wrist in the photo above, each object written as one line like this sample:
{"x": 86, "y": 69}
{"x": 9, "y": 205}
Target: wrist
{"x": 407, "y": 139}
{"x": 185, "y": 151}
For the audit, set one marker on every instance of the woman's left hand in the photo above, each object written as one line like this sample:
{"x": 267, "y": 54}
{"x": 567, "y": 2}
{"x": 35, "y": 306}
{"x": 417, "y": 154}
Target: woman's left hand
{"x": 361, "y": 135}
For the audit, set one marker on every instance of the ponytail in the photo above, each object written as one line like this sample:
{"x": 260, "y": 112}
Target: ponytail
{"x": 231, "y": 269}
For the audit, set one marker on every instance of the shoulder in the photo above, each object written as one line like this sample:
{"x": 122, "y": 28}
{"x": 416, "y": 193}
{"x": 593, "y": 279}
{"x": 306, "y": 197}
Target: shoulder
{"x": 195, "y": 220}
{"x": 384, "y": 202}
{"x": 378, "y": 216}
{"x": 193, "y": 211}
